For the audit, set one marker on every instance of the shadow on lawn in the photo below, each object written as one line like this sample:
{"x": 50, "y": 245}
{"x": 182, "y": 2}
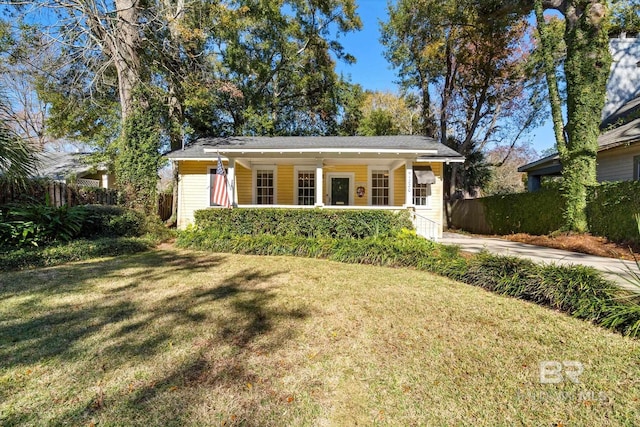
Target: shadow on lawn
{"x": 67, "y": 332}
{"x": 255, "y": 326}
{"x": 32, "y": 333}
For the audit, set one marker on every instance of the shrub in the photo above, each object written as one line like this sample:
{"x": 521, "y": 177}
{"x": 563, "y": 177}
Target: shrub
{"x": 113, "y": 221}
{"x": 539, "y": 212}
{"x": 610, "y": 208}
{"x": 319, "y": 223}
{"x": 37, "y": 224}
{"x": 77, "y": 250}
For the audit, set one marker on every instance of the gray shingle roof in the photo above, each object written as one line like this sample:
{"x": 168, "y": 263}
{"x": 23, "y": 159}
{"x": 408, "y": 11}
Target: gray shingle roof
{"x": 60, "y": 166}
{"x": 406, "y": 143}
{"x": 626, "y": 134}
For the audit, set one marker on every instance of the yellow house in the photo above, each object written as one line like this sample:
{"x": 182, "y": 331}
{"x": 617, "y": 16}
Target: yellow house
{"x": 380, "y": 172}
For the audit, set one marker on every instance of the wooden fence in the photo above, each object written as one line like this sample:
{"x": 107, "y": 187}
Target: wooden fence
{"x": 60, "y": 194}
{"x": 165, "y": 206}
{"x": 469, "y": 215}
{"x": 57, "y": 194}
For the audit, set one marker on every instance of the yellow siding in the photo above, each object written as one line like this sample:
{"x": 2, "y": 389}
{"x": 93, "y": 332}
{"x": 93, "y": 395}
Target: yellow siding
{"x": 361, "y": 176}
{"x": 244, "y": 185}
{"x": 399, "y": 177}
{"x": 285, "y": 185}
{"x": 194, "y": 183}
{"x": 435, "y": 211}
{"x": 192, "y": 189}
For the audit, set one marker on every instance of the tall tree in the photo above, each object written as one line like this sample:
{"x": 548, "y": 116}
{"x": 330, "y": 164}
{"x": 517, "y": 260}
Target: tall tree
{"x": 504, "y": 163}
{"x": 468, "y": 64}
{"x": 23, "y": 55}
{"x": 586, "y": 71}
{"x": 384, "y": 113}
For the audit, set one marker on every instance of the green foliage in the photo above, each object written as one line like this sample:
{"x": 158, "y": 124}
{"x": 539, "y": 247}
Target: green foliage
{"x": 625, "y": 17}
{"x": 610, "y": 210}
{"x": 78, "y": 250}
{"x": 319, "y": 223}
{"x": 535, "y": 213}
{"x": 586, "y": 70}
{"x": 17, "y": 158}
{"x": 113, "y": 221}
{"x": 579, "y": 291}
{"x": 38, "y": 224}
{"x": 378, "y": 122}
{"x": 138, "y": 158}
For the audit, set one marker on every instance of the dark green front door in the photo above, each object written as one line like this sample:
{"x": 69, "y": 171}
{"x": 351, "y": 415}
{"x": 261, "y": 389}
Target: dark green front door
{"x": 339, "y": 191}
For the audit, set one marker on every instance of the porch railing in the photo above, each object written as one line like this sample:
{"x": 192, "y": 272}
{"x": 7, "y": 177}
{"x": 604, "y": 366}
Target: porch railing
{"x": 426, "y": 227}
{"x": 86, "y": 182}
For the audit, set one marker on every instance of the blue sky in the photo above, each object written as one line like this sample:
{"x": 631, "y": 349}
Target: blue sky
{"x": 373, "y": 72}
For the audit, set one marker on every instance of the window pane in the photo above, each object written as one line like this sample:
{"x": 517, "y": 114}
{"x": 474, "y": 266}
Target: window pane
{"x": 264, "y": 187}
{"x": 306, "y": 187}
{"x": 380, "y": 187}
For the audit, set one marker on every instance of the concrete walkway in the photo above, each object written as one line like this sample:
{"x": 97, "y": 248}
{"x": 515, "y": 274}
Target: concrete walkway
{"x": 613, "y": 269}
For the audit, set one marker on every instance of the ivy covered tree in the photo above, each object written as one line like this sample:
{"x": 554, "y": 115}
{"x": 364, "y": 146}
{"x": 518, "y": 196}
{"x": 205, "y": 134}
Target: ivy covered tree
{"x": 586, "y": 70}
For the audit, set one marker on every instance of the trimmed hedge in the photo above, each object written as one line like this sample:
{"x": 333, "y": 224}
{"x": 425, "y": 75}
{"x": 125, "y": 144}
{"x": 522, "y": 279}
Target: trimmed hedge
{"x": 579, "y": 291}
{"x": 610, "y": 210}
{"x": 318, "y": 223}
{"x": 539, "y": 212}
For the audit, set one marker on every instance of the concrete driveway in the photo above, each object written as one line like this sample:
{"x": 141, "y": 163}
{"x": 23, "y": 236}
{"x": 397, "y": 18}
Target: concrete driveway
{"x": 614, "y": 269}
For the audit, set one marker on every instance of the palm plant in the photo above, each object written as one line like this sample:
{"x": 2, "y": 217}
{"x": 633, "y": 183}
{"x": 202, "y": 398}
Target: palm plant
{"x": 17, "y": 158}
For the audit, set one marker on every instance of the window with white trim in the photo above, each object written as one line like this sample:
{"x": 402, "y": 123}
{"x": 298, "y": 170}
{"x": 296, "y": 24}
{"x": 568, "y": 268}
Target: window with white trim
{"x": 265, "y": 186}
{"x": 306, "y": 187}
{"x": 380, "y": 187}
{"x": 422, "y": 190}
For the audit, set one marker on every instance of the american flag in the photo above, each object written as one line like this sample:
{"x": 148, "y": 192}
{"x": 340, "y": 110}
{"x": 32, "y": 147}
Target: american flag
{"x": 219, "y": 194}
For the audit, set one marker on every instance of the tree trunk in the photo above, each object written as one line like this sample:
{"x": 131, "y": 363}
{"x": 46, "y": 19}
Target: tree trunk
{"x": 174, "y": 16}
{"x": 124, "y": 46}
{"x": 586, "y": 69}
{"x": 552, "y": 81}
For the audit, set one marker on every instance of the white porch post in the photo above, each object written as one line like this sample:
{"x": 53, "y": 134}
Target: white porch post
{"x": 231, "y": 181}
{"x": 408, "y": 196}
{"x": 319, "y": 184}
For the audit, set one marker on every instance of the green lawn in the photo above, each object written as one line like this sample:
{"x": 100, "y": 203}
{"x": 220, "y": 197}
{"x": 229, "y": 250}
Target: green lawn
{"x": 176, "y": 337}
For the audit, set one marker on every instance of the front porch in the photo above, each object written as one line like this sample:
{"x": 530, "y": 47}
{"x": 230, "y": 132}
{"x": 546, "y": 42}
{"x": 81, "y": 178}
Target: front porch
{"x": 391, "y": 172}
{"x": 365, "y": 183}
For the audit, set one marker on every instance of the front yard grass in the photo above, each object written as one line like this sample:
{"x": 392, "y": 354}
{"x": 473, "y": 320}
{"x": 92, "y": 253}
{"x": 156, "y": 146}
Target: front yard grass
{"x": 177, "y": 337}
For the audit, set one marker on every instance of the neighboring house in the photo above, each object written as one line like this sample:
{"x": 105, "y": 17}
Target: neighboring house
{"x": 73, "y": 167}
{"x": 382, "y": 172}
{"x": 618, "y": 157}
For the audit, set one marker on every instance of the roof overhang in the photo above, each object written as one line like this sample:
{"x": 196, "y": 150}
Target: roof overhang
{"x": 316, "y": 151}
{"x": 543, "y": 163}
{"x": 440, "y": 160}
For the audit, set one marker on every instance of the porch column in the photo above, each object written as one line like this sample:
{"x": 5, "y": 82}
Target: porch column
{"x": 408, "y": 195}
{"x": 231, "y": 181}
{"x": 319, "y": 182}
